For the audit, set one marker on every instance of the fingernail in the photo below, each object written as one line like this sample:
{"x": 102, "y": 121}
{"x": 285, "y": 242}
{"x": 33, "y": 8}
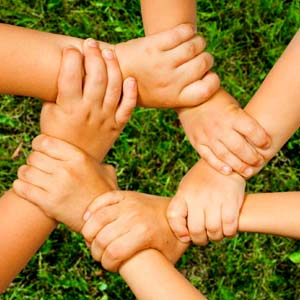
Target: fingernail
{"x": 86, "y": 216}
{"x": 92, "y": 43}
{"x": 132, "y": 83}
{"x": 185, "y": 239}
{"x": 107, "y": 53}
{"x": 227, "y": 169}
{"x": 248, "y": 172}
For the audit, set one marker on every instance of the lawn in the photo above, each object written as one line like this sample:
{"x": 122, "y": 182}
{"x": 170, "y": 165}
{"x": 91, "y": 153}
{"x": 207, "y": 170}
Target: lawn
{"x": 152, "y": 154}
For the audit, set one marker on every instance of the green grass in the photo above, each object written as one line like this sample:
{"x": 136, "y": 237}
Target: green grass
{"x": 153, "y": 154}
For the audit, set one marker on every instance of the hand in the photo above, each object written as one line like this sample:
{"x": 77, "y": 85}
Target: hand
{"x": 225, "y": 136}
{"x": 62, "y": 180}
{"x": 89, "y": 111}
{"x": 120, "y": 224}
{"x": 206, "y": 205}
{"x": 171, "y": 68}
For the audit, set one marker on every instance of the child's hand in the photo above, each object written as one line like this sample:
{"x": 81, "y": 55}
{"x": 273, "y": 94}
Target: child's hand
{"x": 120, "y": 224}
{"x": 170, "y": 67}
{"x": 206, "y": 205}
{"x": 62, "y": 180}
{"x": 89, "y": 111}
{"x": 225, "y": 135}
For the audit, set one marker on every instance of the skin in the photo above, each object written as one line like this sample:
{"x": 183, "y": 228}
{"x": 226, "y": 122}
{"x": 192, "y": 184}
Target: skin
{"x": 25, "y": 72}
{"x": 20, "y": 244}
{"x": 217, "y": 129}
{"x": 220, "y": 210}
{"x": 121, "y": 220}
{"x": 228, "y": 122}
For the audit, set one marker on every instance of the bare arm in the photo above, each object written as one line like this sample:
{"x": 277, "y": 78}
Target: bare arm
{"x": 152, "y": 277}
{"x": 173, "y": 12}
{"x": 272, "y": 213}
{"x": 31, "y": 60}
{"x": 276, "y": 105}
{"x": 278, "y": 97}
{"x": 23, "y": 229}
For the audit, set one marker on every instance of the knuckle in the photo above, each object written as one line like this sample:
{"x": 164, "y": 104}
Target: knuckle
{"x": 101, "y": 241}
{"x": 205, "y": 61}
{"x": 222, "y": 154}
{"x": 213, "y": 228}
{"x": 206, "y": 91}
{"x": 22, "y": 171}
{"x": 163, "y": 83}
{"x": 175, "y": 36}
{"x": 238, "y": 147}
{"x": 80, "y": 157}
{"x": 22, "y": 189}
{"x": 184, "y": 30}
{"x": 172, "y": 214}
{"x": 191, "y": 50}
{"x": 229, "y": 219}
{"x": 96, "y": 255}
{"x": 113, "y": 253}
{"x": 202, "y": 42}
{"x": 32, "y": 158}
{"x": 196, "y": 232}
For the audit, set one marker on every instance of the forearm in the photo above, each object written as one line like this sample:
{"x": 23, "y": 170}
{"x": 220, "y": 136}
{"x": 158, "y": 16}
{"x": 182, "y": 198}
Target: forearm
{"x": 150, "y": 269}
{"x": 276, "y": 105}
{"x": 162, "y": 15}
{"x": 23, "y": 229}
{"x": 30, "y": 61}
{"x": 269, "y": 213}
{"x": 272, "y": 213}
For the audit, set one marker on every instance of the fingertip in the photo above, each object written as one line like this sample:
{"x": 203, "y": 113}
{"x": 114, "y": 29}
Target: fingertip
{"x": 184, "y": 239}
{"x": 187, "y": 29}
{"x": 108, "y": 54}
{"x": 130, "y": 84}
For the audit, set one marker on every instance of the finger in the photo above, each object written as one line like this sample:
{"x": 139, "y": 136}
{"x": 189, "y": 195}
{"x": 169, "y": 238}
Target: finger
{"x": 106, "y": 236}
{"x": 177, "y": 217}
{"x": 205, "y": 152}
{"x": 95, "y": 72}
{"x": 56, "y": 148}
{"x": 123, "y": 248}
{"x": 196, "y": 68}
{"x": 29, "y": 192}
{"x": 128, "y": 101}
{"x": 252, "y": 130}
{"x": 199, "y": 91}
{"x": 96, "y": 251}
{"x": 196, "y": 225}
{"x": 114, "y": 86}
{"x": 230, "y": 218}
{"x": 223, "y": 154}
{"x": 70, "y": 77}
{"x": 213, "y": 223}
{"x": 34, "y": 177}
{"x": 187, "y": 50}
{"x": 43, "y": 162}
{"x": 239, "y": 146}
{"x": 107, "y": 199}
{"x": 171, "y": 38}
{"x": 98, "y": 220}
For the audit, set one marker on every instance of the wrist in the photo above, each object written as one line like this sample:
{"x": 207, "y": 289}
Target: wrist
{"x": 123, "y": 57}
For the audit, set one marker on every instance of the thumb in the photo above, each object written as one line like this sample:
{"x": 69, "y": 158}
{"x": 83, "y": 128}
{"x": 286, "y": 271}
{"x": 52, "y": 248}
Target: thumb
{"x": 177, "y": 216}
